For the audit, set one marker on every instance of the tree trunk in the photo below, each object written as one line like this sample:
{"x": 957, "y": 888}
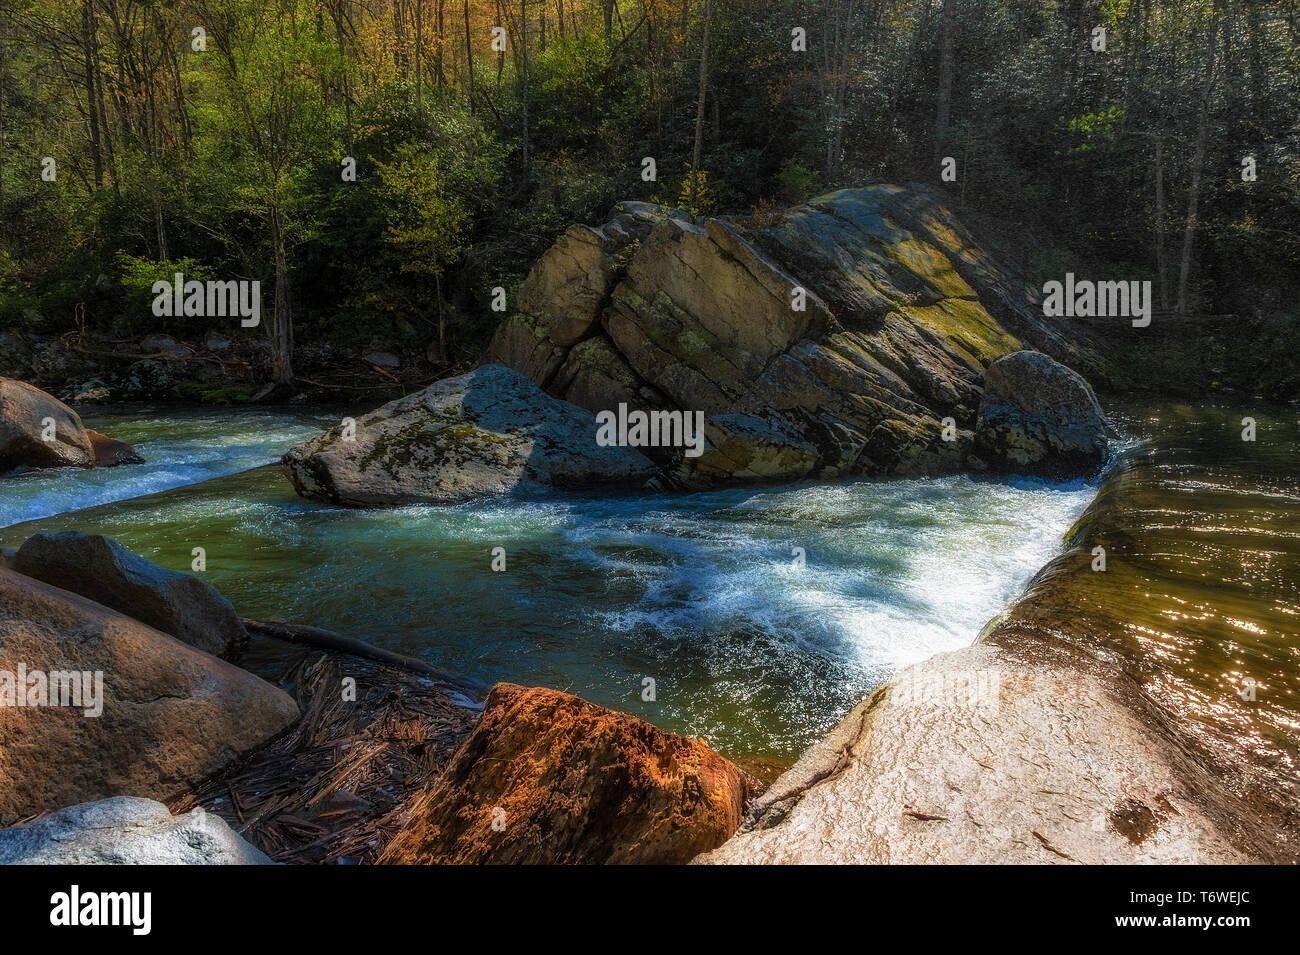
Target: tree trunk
{"x": 442, "y": 322}
{"x": 3, "y": 51}
{"x": 282, "y": 323}
{"x": 469, "y": 59}
{"x": 523, "y": 54}
{"x": 944, "y": 108}
{"x": 1198, "y": 159}
{"x": 699, "y": 111}
{"x": 92, "y": 110}
{"x": 1161, "y": 270}
{"x": 439, "y": 75}
{"x": 419, "y": 58}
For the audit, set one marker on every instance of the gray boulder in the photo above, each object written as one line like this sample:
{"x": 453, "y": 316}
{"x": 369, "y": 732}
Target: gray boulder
{"x": 1037, "y": 416}
{"x": 490, "y": 431}
{"x": 165, "y": 346}
{"x": 382, "y": 359}
{"x": 101, "y": 569}
{"x": 126, "y": 830}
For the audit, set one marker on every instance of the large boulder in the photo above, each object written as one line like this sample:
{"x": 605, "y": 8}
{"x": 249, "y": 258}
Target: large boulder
{"x": 547, "y": 777}
{"x": 25, "y": 412}
{"x": 488, "y": 431}
{"x": 561, "y": 301}
{"x": 1037, "y": 416}
{"x": 852, "y": 325}
{"x": 126, "y": 830}
{"x": 168, "y": 715}
{"x": 102, "y": 570}
{"x": 981, "y": 756}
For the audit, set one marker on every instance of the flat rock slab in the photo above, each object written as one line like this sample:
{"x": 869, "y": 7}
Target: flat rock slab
{"x": 126, "y": 830}
{"x": 981, "y": 756}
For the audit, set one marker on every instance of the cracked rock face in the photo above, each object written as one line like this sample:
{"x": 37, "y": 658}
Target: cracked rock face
{"x": 126, "y": 830}
{"x": 491, "y": 431}
{"x": 172, "y": 715}
{"x": 900, "y": 315}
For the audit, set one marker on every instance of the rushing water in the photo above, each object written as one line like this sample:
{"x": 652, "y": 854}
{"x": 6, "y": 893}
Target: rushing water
{"x": 179, "y": 448}
{"x": 703, "y": 593}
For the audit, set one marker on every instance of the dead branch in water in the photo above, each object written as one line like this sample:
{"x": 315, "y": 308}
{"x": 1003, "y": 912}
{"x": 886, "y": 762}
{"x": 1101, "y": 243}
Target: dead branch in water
{"x": 329, "y": 640}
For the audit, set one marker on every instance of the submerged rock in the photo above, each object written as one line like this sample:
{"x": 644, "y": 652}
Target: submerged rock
{"x": 833, "y": 342}
{"x": 25, "y": 414}
{"x": 102, "y": 570}
{"x": 1037, "y": 416}
{"x": 547, "y": 777}
{"x": 489, "y": 431}
{"x": 126, "y": 830}
{"x": 109, "y": 452}
{"x": 171, "y": 714}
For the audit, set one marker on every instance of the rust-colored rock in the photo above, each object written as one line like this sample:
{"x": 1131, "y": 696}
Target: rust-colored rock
{"x": 567, "y": 781}
{"x": 110, "y": 452}
{"x": 171, "y": 715}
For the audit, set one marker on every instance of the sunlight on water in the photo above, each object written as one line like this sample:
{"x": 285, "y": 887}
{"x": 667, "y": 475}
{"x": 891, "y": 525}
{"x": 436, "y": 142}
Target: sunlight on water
{"x": 700, "y": 592}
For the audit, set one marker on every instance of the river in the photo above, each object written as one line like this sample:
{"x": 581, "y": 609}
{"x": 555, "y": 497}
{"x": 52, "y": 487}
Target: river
{"x": 760, "y": 615}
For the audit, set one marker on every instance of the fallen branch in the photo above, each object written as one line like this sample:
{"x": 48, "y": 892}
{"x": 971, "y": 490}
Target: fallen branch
{"x": 329, "y": 640}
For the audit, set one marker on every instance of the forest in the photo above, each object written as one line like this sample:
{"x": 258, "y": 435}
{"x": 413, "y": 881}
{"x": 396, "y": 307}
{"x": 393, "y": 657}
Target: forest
{"x": 382, "y": 166}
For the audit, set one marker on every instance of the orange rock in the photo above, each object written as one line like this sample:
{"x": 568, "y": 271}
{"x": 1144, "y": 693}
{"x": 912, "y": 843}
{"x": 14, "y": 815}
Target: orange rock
{"x": 110, "y": 451}
{"x": 547, "y": 777}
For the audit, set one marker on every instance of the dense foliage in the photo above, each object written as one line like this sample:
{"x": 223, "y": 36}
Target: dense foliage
{"x": 212, "y": 136}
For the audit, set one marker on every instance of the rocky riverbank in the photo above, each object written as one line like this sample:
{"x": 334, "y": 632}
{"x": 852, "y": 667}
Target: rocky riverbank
{"x": 97, "y": 706}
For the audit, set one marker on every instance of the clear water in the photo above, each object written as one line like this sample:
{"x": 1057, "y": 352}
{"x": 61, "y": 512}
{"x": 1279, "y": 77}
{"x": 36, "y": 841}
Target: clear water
{"x": 700, "y": 592}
